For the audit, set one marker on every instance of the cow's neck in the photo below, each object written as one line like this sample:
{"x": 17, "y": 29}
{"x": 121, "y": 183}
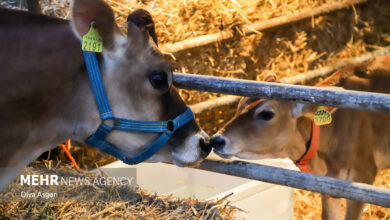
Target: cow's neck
{"x": 46, "y": 96}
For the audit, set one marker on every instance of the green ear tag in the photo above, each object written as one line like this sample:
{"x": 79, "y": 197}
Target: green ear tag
{"x": 92, "y": 41}
{"x": 322, "y": 117}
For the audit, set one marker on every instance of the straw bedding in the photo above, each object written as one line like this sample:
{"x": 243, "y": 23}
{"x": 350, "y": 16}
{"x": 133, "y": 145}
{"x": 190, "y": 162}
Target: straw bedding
{"x": 285, "y": 51}
{"x": 104, "y": 202}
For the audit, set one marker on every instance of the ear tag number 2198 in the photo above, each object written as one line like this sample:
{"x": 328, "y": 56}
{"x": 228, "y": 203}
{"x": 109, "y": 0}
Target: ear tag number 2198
{"x": 92, "y": 40}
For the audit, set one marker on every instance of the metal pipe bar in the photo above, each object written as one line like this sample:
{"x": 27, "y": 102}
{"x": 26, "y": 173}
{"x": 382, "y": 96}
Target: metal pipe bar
{"x": 339, "y": 188}
{"x": 376, "y": 102}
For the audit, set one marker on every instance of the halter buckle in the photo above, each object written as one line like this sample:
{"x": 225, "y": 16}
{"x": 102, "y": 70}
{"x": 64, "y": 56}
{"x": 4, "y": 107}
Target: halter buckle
{"x": 109, "y": 123}
{"x": 170, "y": 125}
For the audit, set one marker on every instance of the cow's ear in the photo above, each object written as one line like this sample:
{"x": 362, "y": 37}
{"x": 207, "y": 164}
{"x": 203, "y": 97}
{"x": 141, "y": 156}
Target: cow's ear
{"x": 300, "y": 109}
{"x": 84, "y": 12}
{"x": 144, "y": 21}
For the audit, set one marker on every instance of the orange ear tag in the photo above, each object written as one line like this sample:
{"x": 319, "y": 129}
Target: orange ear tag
{"x": 92, "y": 40}
{"x": 322, "y": 116}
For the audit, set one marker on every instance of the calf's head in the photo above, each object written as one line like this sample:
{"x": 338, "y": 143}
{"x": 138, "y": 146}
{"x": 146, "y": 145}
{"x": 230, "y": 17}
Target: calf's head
{"x": 138, "y": 82}
{"x": 265, "y": 129}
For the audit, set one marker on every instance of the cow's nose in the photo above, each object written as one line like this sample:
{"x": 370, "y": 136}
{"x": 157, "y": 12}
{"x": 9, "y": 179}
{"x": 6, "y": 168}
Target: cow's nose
{"x": 218, "y": 142}
{"x": 205, "y": 147}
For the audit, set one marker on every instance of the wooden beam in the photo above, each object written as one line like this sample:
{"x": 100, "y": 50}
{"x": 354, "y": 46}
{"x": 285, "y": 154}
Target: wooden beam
{"x": 210, "y": 105}
{"x": 325, "y": 71}
{"x": 339, "y": 188}
{"x": 214, "y": 103}
{"x": 376, "y": 102}
{"x": 256, "y": 27}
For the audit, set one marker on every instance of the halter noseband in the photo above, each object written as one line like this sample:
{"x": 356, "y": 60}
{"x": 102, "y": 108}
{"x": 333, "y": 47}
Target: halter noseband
{"x": 166, "y": 128}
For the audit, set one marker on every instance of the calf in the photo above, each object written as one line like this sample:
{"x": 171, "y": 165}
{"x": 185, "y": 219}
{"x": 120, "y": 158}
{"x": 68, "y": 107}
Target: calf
{"x": 46, "y": 95}
{"x": 354, "y": 146}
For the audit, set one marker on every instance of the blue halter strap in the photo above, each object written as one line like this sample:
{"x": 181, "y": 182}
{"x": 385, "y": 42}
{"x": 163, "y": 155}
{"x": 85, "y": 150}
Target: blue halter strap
{"x": 165, "y": 128}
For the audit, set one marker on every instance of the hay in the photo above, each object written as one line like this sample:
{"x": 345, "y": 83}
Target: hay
{"x": 307, "y": 205}
{"x": 124, "y": 202}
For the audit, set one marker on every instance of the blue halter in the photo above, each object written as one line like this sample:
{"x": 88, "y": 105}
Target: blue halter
{"x": 166, "y": 128}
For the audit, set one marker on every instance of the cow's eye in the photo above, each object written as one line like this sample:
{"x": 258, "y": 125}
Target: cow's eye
{"x": 265, "y": 115}
{"x": 159, "y": 80}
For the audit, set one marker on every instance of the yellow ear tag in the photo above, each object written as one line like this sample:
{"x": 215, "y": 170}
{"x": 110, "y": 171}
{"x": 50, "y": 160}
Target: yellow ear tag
{"x": 322, "y": 117}
{"x": 92, "y": 40}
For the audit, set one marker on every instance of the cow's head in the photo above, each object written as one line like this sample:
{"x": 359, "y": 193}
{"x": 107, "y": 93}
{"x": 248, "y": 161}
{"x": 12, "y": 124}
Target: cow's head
{"x": 265, "y": 129}
{"x": 138, "y": 82}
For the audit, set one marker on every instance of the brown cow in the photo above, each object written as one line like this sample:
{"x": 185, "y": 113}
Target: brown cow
{"x": 46, "y": 96}
{"x": 354, "y": 146}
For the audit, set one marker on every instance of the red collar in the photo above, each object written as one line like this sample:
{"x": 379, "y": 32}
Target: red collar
{"x": 311, "y": 150}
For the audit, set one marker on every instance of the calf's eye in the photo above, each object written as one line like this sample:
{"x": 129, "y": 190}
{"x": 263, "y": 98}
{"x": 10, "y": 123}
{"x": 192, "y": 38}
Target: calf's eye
{"x": 265, "y": 115}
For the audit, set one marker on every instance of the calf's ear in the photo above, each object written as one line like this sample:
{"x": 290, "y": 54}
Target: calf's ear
{"x": 84, "y": 12}
{"x": 300, "y": 109}
{"x": 270, "y": 77}
{"x": 244, "y": 102}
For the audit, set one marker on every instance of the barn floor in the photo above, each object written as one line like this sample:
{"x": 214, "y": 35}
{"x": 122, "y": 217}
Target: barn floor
{"x": 285, "y": 51}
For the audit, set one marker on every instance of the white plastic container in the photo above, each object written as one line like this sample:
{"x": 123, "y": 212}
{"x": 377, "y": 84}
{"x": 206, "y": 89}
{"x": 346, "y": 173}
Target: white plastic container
{"x": 260, "y": 200}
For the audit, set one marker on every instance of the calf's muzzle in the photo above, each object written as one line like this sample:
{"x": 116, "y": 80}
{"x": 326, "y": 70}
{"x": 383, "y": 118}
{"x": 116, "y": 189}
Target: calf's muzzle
{"x": 218, "y": 142}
